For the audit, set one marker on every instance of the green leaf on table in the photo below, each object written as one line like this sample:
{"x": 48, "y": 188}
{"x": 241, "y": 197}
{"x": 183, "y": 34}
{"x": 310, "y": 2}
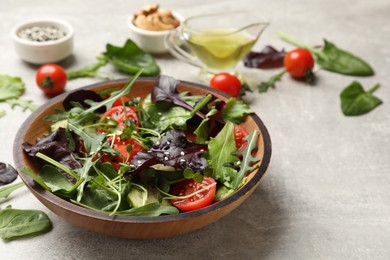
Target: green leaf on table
{"x": 264, "y": 86}
{"x": 10, "y": 87}
{"x": 8, "y": 189}
{"x": 17, "y": 223}
{"x": 356, "y": 101}
{"x": 129, "y": 59}
{"x": 3, "y": 113}
{"x": 220, "y": 152}
{"x": 235, "y": 111}
{"x": 24, "y": 104}
{"x": 91, "y": 70}
{"x": 334, "y": 59}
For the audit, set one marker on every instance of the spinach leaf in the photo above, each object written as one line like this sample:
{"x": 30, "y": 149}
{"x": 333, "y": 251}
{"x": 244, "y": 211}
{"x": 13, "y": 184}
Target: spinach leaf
{"x": 17, "y": 223}
{"x": 356, "y": 101}
{"x": 8, "y": 174}
{"x": 7, "y": 190}
{"x": 220, "y": 152}
{"x": 334, "y": 59}
{"x": 129, "y": 59}
{"x": 10, "y": 87}
{"x": 235, "y": 111}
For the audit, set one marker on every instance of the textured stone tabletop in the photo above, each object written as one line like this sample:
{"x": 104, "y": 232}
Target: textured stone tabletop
{"x": 326, "y": 194}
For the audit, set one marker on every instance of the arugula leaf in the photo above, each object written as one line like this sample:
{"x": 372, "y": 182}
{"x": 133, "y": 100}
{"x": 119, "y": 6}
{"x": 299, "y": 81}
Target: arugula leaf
{"x": 248, "y": 163}
{"x": 7, "y": 190}
{"x": 8, "y": 174}
{"x": 90, "y": 71}
{"x": 3, "y": 113}
{"x": 334, "y": 59}
{"x": 11, "y": 87}
{"x": 17, "y": 223}
{"x": 235, "y": 111}
{"x": 356, "y": 101}
{"x": 24, "y": 104}
{"x": 129, "y": 59}
{"x": 269, "y": 57}
{"x": 264, "y": 86}
{"x": 220, "y": 152}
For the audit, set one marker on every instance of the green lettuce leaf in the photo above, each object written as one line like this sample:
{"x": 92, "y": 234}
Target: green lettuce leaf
{"x": 10, "y": 87}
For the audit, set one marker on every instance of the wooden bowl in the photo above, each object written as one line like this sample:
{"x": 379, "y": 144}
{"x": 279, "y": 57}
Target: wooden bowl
{"x": 133, "y": 226}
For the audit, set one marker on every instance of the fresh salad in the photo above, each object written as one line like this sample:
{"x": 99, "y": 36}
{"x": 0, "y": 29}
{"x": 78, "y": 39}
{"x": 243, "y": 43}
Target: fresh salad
{"x": 168, "y": 153}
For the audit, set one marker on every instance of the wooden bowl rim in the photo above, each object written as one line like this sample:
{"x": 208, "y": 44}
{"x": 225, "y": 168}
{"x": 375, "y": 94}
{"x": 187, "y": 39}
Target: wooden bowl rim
{"x": 69, "y": 206}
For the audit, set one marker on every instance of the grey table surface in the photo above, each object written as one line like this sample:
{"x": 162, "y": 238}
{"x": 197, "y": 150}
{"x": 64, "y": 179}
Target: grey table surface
{"x": 326, "y": 193}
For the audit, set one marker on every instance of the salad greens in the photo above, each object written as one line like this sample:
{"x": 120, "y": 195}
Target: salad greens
{"x": 74, "y": 156}
{"x": 356, "y": 101}
{"x": 11, "y": 87}
{"x": 128, "y": 59}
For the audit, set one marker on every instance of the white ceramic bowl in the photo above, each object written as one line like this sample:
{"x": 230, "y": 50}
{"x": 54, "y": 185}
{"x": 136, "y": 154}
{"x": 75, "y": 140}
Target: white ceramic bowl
{"x": 151, "y": 41}
{"x": 47, "y": 51}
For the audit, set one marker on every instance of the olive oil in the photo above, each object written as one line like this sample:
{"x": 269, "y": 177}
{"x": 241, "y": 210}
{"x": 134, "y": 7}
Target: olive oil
{"x": 221, "y": 49}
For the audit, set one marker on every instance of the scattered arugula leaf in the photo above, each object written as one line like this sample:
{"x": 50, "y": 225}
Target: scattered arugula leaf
{"x": 8, "y": 174}
{"x": 356, "y": 101}
{"x": 17, "y": 223}
{"x": 334, "y": 59}
{"x": 11, "y": 87}
{"x": 24, "y": 104}
{"x": 264, "y": 86}
{"x": 3, "y": 113}
{"x": 267, "y": 58}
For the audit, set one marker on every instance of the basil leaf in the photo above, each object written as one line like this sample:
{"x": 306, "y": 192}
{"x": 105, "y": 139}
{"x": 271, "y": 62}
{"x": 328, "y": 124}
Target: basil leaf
{"x": 7, "y": 190}
{"x": 129, "y": 59}
{"x": 337, "y": 60}
{"x": 10, "y": 87}
{"x": 16, "y": 223}
{"x": 356, "y": 101}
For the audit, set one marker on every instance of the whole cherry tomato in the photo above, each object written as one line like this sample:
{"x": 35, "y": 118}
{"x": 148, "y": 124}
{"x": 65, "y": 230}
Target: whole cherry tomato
{"x": 199, "y": 199}
{"x": 227, "y": 83}
{"x": 299, "y": 64}
{"x": 51, "y": 79}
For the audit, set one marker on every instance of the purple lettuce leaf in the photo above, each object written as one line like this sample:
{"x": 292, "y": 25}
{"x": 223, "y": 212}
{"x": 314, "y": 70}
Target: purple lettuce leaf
{"x": 166, "y": 89}
{"x": 174, "y": 150}
{"x": 268, "y": 58}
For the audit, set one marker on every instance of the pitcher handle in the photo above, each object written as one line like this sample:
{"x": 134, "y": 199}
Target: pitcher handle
{"x": 180, "y": 49}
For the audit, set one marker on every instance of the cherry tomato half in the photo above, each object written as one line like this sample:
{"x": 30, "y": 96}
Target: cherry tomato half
{"x": 227, "y": 83}
{"x": 118, "y": 114}
{"x": 239, "y": 134}
{"x": 299, "y": 63}
{"x": 51, "y": 79}
{"x": 125, "y": 156}
{"x": 199, "y": 200}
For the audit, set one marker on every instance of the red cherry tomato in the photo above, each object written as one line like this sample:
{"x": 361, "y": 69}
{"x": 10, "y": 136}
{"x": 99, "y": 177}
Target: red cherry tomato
{"x": 299, "y": 63}
{"x": 239, "y": 134}
{"x": 120, "y": 101}
{"x": 51, "y": 79}
{"x": 125, "y": 156}
{"x": 118, "y": 114}
{"x": 227, "y": 83}
{"x": 199, "y": 200}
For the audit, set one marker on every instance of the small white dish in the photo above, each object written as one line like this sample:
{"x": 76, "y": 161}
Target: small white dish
{"x": 45, "y": 51}
{"x": 151, "y": 41}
